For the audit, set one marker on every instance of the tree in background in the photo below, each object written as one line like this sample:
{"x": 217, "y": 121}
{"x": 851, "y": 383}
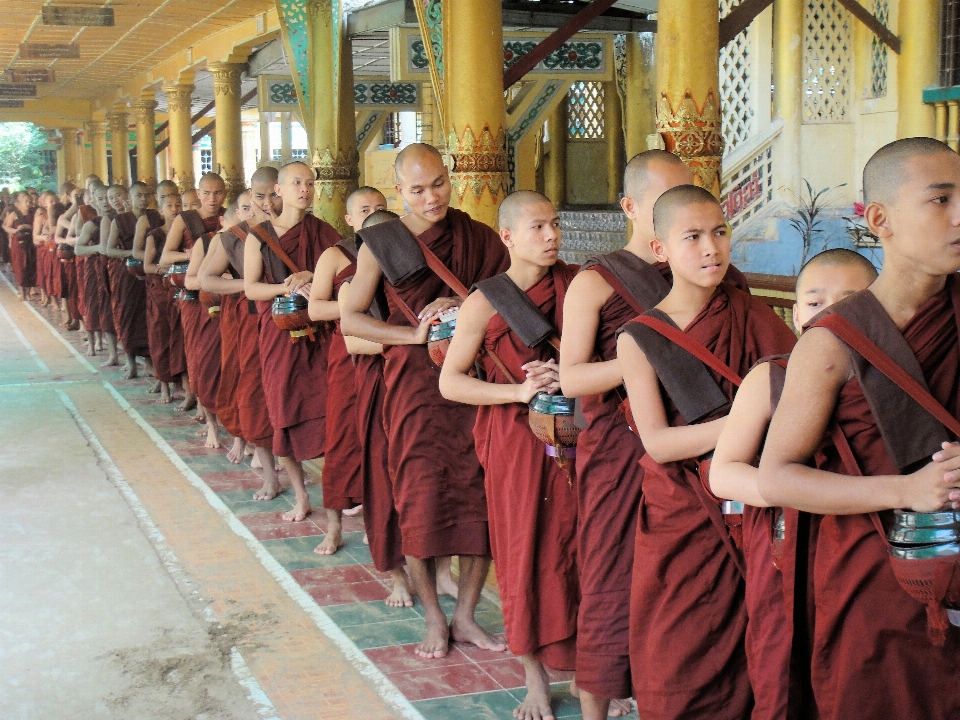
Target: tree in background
{"x": 24, "y": 157}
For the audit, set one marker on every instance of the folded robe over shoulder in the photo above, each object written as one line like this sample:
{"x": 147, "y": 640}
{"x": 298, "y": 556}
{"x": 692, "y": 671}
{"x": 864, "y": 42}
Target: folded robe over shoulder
{"x": 532, "y": 503}
{"x": 687, "y": 619}
{"x": 437, "y": 479}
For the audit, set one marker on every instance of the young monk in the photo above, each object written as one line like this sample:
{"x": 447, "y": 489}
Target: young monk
{"x": 342, "y": 481}
{"x": 188, "y": 227}
{"x": 380, "y": 513}
{"x": 531, "y": 500}
{"x": 71, "y": 277}
{"x": 263, "y": 193}
{"x": 109, "y": 268}
{"x": 687, "y": 619}
{"x": 438, "y": 481}
{"x": 830, "y": 276}
{"x": 98, "y": 315}
{"x": 877, "y": 651}
{"x": 294, "y": 373}
{"x": 18, "y": 225}
{"x": 39, "y": 239}
{"x": 160, "y": 313}
{"x": 149, "y": 221}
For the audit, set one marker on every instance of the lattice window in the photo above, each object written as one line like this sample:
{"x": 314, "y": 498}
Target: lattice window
{"x": 878, "y": 53}
{"x": 736, "y": 94}
{"x": 949, "y": 43}
{"x": 585, "y": 111}
{"x": 298, "y": 154}
{"x": 206, "y": 161}
{"x": 277, "y": 154}
{"x": 391, "y": 129}
{"x": 827, "y": 62}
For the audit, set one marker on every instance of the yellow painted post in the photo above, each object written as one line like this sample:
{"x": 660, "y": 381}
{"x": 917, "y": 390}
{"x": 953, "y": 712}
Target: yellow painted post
{"x": 613, "y": 129}
{"x": 428, "y": 113}
{"x": 688, "y": 106}
{"x": 555, "y": 162}
{"x": 146, "y": 140}
{"x": 953, "y": 124}
{"x": 179, "y": 132}
{"x": 916, "y": 66}
{"x": 639, "y": 106}
{"x": 228, "y": 159}
{"x": 941, "y": 121}
{"x": 70, "y": 155}
{"x": 788, "y": 93}
{"x": 265, "y": 154}
{"x": 286, "y": 138}
{"x": 119, "y": 124}
{"x": 98, "y": 138}
{"x": 474, "y": 106}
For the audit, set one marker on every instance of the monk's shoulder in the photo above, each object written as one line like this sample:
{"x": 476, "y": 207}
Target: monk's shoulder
{"x": 324, "y": 231}
{"x": 476, "y": 310}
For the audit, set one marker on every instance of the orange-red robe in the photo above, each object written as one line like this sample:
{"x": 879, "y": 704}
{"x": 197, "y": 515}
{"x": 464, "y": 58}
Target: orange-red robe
{"x": 23, "y": 253}
{"x": 687, "y": 619}
{"x": 231, "y": 307}
{"x": 128, "y": 294}
{"x": 160, "y": 317}
{"x": 531, "y": 501}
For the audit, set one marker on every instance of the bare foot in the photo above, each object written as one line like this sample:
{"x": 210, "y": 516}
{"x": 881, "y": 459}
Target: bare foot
{"x": 91, "y": 352}
{"x": 236, "y": 452}
{"x": 270, "y": 489}
{"x": 189, "y": 403}
{"x": 201, "y": 416}
{"x": 165, "y": 397}
{"x": 446, "y": 585}
{"x": 468, "y": 631}
{"x": 437, "y": 642}
{"x": 366, "y": 540}
{"x": 331, "y": 543}
{"x": 131, "y": 371}
{"x": 536, "y": 705}
{"x": 354, "y": 511}
{"x": 157, "y": 387}
{"x": 620, "y": 708}
{"x": 256, "y": 464}
{"x": 111, "y": 361}
{"x": 299, "y": 513}
{"x": 213, "y": 441}
{"x": 401, "y": 596}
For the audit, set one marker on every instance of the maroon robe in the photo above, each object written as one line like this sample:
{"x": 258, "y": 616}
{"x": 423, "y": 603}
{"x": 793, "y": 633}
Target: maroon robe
{"x": 342, "y": 480}
{"x": 230, "y": 308}
{"x": 437, "y": 479}
{"x": 294, "y": 374}
{"x": 128, "y": 294}
{"x": 97, "y": 314}
{"x": 161, "y": 318}
{"x": 71, "y": 287}
{"x": 23, "y": 253}
{"x": 872, "y": 654}
{"x": 531, "y": 501}
{"x": 252, "y": 411}
{"x": 687, "y": 615}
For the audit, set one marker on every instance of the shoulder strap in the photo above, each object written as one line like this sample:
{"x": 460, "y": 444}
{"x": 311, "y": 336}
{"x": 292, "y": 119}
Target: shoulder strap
{"x": 442, "y": 271}
{"x": 266, "y": 236}
{"x": 846, "y": 331}
{"x": 618, "y": 287}
{"x": 517, "y": 309}
{"x": 194, "y": 223}
{"x": 680, "y": 338}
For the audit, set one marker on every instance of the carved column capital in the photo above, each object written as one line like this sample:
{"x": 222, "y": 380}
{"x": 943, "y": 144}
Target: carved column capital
{"x": 146, "y": 111}
{"x": 98, "y": 128}
{"x": 692, "y": 132}
{"x": 226, "y": 77}
{"x": 178, "y": 97}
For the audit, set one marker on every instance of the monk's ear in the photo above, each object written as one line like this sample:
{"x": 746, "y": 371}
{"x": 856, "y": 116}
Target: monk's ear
{"x": 629, "y": 207}
{"x": 505, "y": 237}
{"x": 796, "y": 314}
{"x": 878, "y": 220}
{"x": 659, "y": 249}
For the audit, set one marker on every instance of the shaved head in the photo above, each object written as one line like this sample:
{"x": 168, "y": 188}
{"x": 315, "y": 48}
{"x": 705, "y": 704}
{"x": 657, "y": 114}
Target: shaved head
{"x": 380, "y": 216}
{"x": 636, "y": 176}
{"x": 837, "y": 257}
{"x": 212, "y": 177}
{"x": 511, "y": 209}
{"x": 665, "y": 210}
{"x": 265, "y": 175}
{"x": 416, "y": 153}
{"x": 167, "y": 187}
{"x": 359, "y": 194}
{"x": 884, "y": 174}
{"x": 287, "y": 169}
{"x": 140, "y": 184}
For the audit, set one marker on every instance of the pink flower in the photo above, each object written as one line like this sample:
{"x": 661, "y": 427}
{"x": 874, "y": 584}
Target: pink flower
{"x": 858, "y": 209}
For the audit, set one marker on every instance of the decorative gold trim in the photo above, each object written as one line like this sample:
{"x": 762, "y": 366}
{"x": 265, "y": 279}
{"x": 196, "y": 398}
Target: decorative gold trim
{"x": 694, "y": 135}
{"x": 477, "y": 164}
{"x": 178, "y": 97}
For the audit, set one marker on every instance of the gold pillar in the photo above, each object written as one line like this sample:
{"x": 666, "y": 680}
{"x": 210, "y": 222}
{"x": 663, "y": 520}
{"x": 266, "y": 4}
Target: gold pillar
{"x": 613, "y": 124}
{"x": 163, "y": 169}
{"x": 146, "y": 141}
{"x": 286, "y": 138}
{"x": 98, "y": 138}
{"x": 941, "y": 121}
{"x": 953, "y": 124}
{"x": 228, "y": 158}
{"x": 333, "y": 140}
{"x": 474, "y": 106}
{"x": 180, "y": 134}
{"x": 428, "y": 115}
{"x": 639, "y": 107}
{"x": 119, "y": 124}
{"x": 555, "y": 159}
{"x": 688, "y": 72}
{"x": 265, "y": 154}
{"x": 788, "y": 94}
{"x": 68, "y": 160}
{"x": 916, "y": 66}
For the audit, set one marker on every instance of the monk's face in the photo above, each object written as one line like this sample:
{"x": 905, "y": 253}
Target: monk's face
{"x": 244, "y": 207}
{"x": 821, "y": 286}
{"x": 139, "y": 198}
{"x": 117, "y": 199}
{"x": 191, "y": 201}
{"x": 922, "y": 223}
{"x": 660, "y": 178}
{"x": 362, "y": 206}
{"x": 100, "y": 198}
{"x": 697, "y": 244}
{"x": 424, "y": 184}
{"x": 23, "y": 203}
{"x": 296, "y": 186}
{"x": 211, "y": 194}
{"x": 535, "y": 235}
{"x": 171, "y": 207}
{"x": 264, "y": 196}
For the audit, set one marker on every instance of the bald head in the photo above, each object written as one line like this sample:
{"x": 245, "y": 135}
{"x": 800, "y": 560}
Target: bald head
{"x": 885, "y": 172}
{"x": 512, "y": 207}
{"x": 265, "y": 175}
{"x": 380, "y": 216}
{"x": 837, "y": 257}
{"x": 636, "y": 176}
{"x": 296, "y": 167}
{"x": 416, "y": 154}
{"x": 364, "y": 193}
{"x": 674, "y": 200}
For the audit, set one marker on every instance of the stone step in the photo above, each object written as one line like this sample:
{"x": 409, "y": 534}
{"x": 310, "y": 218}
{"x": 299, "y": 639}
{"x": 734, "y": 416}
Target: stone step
{"x": 589, "y": 233}
{"x": 608, "y": 220}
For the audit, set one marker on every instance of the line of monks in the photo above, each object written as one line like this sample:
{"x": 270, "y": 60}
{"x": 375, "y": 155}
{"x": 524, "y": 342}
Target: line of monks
{"x": 684, "y": 504}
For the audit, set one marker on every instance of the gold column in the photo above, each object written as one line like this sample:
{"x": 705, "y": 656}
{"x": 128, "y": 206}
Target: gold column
{"x": 788, "y": 94}
{"x": 613, "y": 125}
{"x": 119, "y": 124}
{"x": 953, "y": 124}
{"x": 286, "y": 138}
{"x": 265, "y": 154}
{"x": 428, "y": 115}
{"x": 639, "y": 107}
{"x": 146, "y": 141}
{"x": 180, "y": 134}
{"x": 474, "y": 106}
{"x": 555, "y": 161}
{"x": 941, "y": 121}
{"x": 228, "y": 156}
{"x": 98, "y": 138}
{"x": 688, "y": 106}
{"x": 70, "y": 154}
{"x": 333, "y": 140}
{"x": 916, "y": 66}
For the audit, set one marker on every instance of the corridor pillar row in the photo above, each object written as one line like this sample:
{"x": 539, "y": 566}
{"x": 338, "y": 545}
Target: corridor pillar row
{"x": 146, "y": 141}
{"x": 179, "y": 129}
{"x": 228, "y": 155}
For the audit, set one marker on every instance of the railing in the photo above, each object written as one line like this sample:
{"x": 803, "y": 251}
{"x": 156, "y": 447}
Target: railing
{"x": 777, "y": 291}
{"x": 946, "y": 103}
{"x": 747, "y": 185}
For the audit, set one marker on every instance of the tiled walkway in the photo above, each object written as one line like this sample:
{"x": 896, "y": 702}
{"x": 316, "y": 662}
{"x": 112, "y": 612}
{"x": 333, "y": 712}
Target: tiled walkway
{"x": 469, "y": 683}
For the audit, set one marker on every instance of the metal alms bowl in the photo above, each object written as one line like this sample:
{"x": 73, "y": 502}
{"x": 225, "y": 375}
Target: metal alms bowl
{"x": 547, "y": 404}
{"x": 442, "y": 331}
{"x": 925, "y": 552}
{"x": 177, "y": 274}
{"x": 921, "y": 529}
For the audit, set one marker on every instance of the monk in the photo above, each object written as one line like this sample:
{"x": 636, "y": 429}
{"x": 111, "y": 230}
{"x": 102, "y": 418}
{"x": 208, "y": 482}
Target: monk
{"x": 71, "y": 278}
{"x": 187, "y": 228}
{"x": 687, "y": 620}
{"x": 342, "y": 481}
{"x": 19, "y": 228}
{"x": 294, "y": 369}
{"x": 39, "y": 239}
{"x": 876, "y": 650}
{"x": 97, "y": 314}
{"x": 438, "y": 481}
{"x": 263, "y": 193}
{"x": 828, "y": 277}
{"x": 160, "y": 312}
{"x": 109, "y": 268}
{"x": 148, "y": 221}
{"x": 379, "y": 513}
{"x": 531, "y": 500}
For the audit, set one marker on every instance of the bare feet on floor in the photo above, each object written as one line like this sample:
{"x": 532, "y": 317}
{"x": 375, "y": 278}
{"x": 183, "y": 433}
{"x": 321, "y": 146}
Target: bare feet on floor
{"x": 331, "y": 543}
{"x": 213, "y": 439}
{"x": 437, "y": 642}
{"x": 91, "y": 352}
{"x": 111, "y": 361}
{"x": 131, "y": 371}
{"x": 189, "y": 403}
{"x": 256, "y": 464}
{"x": 236, "y": 452}
{"x": 354, "y": 511}
{"x": 446, "y": 585}
{"x": 594, "y": 706}
{"x": 270, "y": 489}
{"x": 620, "y": 708}
{"x": 165, "y": 397}
{"x": 299, "y": 513}
{"x": 536, "y": 705}
{"x": 401, "y": 595}
{"x": 468, "y": 631}
{"x": 155, "y": 389}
